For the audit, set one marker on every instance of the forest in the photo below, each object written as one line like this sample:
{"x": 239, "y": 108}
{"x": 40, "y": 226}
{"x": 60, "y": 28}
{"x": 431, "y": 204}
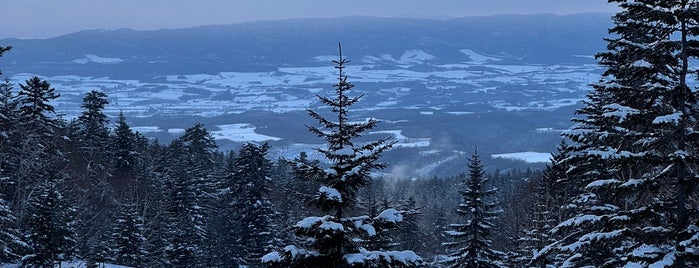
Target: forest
{"x": 620, "y": 191}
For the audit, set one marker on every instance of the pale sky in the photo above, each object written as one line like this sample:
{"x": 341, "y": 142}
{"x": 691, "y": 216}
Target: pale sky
{"x": 48, "y": 18}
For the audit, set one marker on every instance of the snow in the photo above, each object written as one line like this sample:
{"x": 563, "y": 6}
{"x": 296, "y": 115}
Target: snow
{"x": 175, "y": 130}
{"x": 407, "y": 257}
{"x": 477, "y": 58}
{"x": 240, "y": 133}
{"x": 271, "y": 257}
{"x": 460, "y": 113}
{"x": 646, "y": 251}
{"x": 403, "y": 141}
{"x": 97, "y": 59}
{"x": 331, "y": 225}
{"x": 390, "y": 215}
{"x": 668, "y": 119}
{"x": 308, "y": 222}
{"x": 602, "y": 183}
{"x": 331, "y": 193}
{"x": 621, "y": 111}
{"x": 413, "y": 56}
{"x": 667, "y": 261}
{"x": 146, "y": 129}
{"x": 287, "y": 88}
{"x": 529, "y": 157}
{"x": 371, "y": 231}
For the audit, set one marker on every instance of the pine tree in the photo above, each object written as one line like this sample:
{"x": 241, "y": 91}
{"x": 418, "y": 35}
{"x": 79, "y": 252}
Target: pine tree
{"x": 51, "y": 231}
{"x": 473, "y": 246}
{"x": 634, "y": 151}
{"x": 334, "y": 240}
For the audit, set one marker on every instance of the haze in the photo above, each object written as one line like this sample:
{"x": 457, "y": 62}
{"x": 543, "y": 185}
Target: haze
{"x": 48, "y": 18}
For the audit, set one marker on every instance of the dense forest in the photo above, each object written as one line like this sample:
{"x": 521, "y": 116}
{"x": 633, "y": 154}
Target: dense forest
{"x": 620, "y": 191}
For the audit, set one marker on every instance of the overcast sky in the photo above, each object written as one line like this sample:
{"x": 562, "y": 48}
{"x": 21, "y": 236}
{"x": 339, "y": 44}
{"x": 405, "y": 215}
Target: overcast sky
{"x": 48, "y": 18}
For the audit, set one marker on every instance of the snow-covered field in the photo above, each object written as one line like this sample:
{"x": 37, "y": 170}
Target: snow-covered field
{"x": 292, "y": 88}
{"x": 529, "y": 157}
{"x": 240, "y": 133}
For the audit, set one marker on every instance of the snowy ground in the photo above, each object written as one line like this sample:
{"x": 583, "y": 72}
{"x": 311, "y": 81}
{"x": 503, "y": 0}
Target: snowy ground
{"x": 480, "y": 79}
{"x": 529, "y": 157}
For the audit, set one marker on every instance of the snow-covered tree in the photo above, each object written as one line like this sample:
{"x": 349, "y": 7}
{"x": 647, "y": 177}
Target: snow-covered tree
{"x": 334, "y": 239}
{"x": 127, "y": 237}
{"x": 9, "y": 134}
{"x": 472, "y": 242}
{"x": 189, "y": 173}
{"x": 634, "y": 150}
{"x": 124, "y": 147}
{"x": 252, "y": 214}
{"x": 11, "y": 242}
{"x": 410, "y": 234}
{"x": 51, "y": 231}
{"x": 34, "y": 107}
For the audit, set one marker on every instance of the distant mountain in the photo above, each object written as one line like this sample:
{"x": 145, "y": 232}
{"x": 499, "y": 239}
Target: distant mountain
{"x": 259, "y": 46}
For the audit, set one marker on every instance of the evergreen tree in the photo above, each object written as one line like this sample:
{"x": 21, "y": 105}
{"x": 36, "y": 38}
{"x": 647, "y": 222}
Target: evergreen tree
{"x": 473, "y": 246}
{"x": 125, "y": 166}
{"x": 410, "y": 234}
{"x": 255, "y": 217}
{"x": 634, "y": 151}
{"x": 123, "y": 144}
{"x": 51, "y": 231}
{"x": 34, "y": 107}
{"x": 128, "y": 237}
{"x": 9, "y": 135}
{"x": 10, "y": 242}
{"x": 190, "y": 178}
{"x": 333, "y": 240}
{"x": 90, "y": 158}
{"x": 546, "y": 197}
{"x": 440, "y": 227}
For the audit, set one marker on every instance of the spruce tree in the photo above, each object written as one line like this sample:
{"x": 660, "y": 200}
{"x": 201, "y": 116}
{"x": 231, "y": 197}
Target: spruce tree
{"x": 9, "y": 135}
{"x": 634, "y": 150}
{"x": 51, "y": 230}
{"x": 127, "y": 237}
{"x": 34, "y": 107}
{"x": 190, "y": 176}
{"x": 410, "y": 233}
{"x": 472, "y": 238}
{"x": 255, "y": 217}
{"x": 11, "y": 243}
{"x": 334, "y": 239}
{"x": 90, "y": 158}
